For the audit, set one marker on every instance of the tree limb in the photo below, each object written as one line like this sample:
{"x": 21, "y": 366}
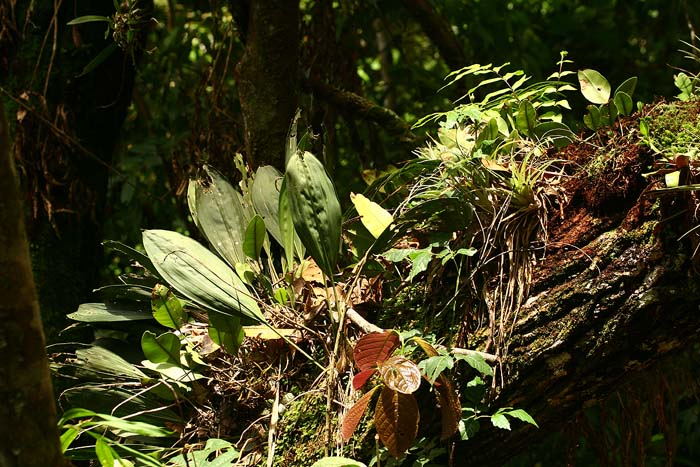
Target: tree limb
{"x": 438, "y": 31}
{"x": 365, "y": 109}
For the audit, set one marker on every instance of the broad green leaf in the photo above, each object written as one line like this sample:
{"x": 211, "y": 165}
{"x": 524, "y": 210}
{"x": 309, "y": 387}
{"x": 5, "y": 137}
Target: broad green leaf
{"x": 254, "y": 238}
{"x": 265, "y": 194}
{"x": 608, "y": 114}
{"x": 106, "y": 364}
{"x": 500, "y": 421}
{"x": 290, "y": 240}
{"x": 520, "y": 414}
{"x": 526, "y": 119}
{"x": 167, "y": 308}
{"x": 132, "y": 428}
{"x": 354, "y": 415}
{"x": 105, "y": 453}
{"x": 216, "y": 453}
{"x": 623, "y": 102}
{"x": 67, "y": 437}
{"x": 219, "y": 212}
{"x": 628, "y": 86}
{"x": 315, "y": 209}
{"x": 226, "y": 331}
{"x": 477, "y": 362}
{"x": 685, "y": 85}
{"x": 594, "y": 87}
{"x": 108, "y": 312}
{"x": 173, "y": 372}
{"x": 337, "y": 462}
{"x": 434, "y": 366}
{"x": 164, "y": 348}
{"x": 374, "y": 217}
{"x": 88, "y": 19}
{"x": 396, "y": 419}
{"x": 199, "y": 275}
{"x": 420, "y": 259}
{"x": 133, "y": 254}
{"x": 592, "y": 118}
{"x": 468, "y": 428}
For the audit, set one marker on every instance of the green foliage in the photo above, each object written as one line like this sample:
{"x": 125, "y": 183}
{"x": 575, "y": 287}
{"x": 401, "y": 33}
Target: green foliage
{"x": 596, "y": 89}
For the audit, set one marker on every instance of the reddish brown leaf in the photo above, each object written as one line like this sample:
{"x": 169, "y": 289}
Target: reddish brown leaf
{"x": 374, "y": 348}
{"x": 361, "y": 378}
{"x": 354, "y": 415}
{"x": 450, "y": 407}
{"x": 400, "y": 374}
{"x": 396, "y": 419}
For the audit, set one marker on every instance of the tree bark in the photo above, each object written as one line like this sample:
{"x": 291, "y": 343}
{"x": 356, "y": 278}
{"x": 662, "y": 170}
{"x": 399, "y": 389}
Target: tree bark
{"x": 28, "y": 432}
{"x": 616, "y": 293}
{"x": 67, "y": 127}
{"x": 267, "y": 78}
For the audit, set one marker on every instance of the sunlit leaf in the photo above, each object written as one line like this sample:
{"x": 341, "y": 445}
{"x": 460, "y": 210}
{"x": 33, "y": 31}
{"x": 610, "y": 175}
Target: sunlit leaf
{"x": 254, "y": 237}
{"x": 108, "y": 312}
{"x": 105, "y": 453}
{"x": 477, "y": 362}
{"x": 315, "y": 209}
{"x": 337, "y": 462}
{"x": 594, "y": 87}
{"x": 167, "y": 308}
{"x": 434, "y": 366}
{"x": 361, "y": 378}
{"x": 520, "y": 414}
{"x": 628, "y": 86}
{"x": 216, "y": 453}
{"x": 623, "y": 102}
{"x": 265, "y": 194}
{"x": 218, "y": 210}
{"x": 355, "y": 413}
{"x": 164, "y": 348}
{"x": 400, "y": 374}
{"x": 199, "y": 275}
{"x": 373, "y": 348}
{"x": 500, "y": 421}
{"x": 526, "y": 118}
{"x": 88, "y": 19}
{"x": 396, "y": 419}
{"x": 374, "y": 217}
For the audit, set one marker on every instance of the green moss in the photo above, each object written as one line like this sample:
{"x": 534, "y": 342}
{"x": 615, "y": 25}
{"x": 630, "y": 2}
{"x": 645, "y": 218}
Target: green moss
{"x": 302, "y": 436}
{"x": 675, "y": 127}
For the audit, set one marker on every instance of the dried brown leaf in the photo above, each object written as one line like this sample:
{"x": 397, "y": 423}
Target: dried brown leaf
{"x": 450, "y": 408}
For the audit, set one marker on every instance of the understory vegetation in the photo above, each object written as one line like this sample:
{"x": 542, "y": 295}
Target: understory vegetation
{"x": 307, "y": 248}
{"x": 255, "y": 345}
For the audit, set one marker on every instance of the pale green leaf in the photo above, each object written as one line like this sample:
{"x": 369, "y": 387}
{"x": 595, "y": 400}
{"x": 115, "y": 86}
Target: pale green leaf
{"x": 432, "y": 367}
{"x": 594, "y": 87}
{"x": 628, "y": 86}
{"x": 374, "y": 217}
{"x": 167, "y": 308}
{"x": 164, "y": 348}
{"x": 500, "y": 421}
{"x": 520, "y": 414}
{"x": 337, "y": 462}
{"x": 477, "y": 362}
{"x": 108, "y": 312}
{"x": 623, "y": 102}
{"x": 88, "y": 19}
{"x": 254, "y": 237}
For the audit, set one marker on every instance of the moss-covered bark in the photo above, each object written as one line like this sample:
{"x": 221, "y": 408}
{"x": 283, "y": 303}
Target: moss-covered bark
{"x": 617, "y": 292}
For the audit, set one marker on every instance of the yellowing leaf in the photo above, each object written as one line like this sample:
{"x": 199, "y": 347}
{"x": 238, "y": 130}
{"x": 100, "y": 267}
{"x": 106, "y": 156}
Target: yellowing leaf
{"x": 374, "y": 217}
{"x": 266, "y": 333}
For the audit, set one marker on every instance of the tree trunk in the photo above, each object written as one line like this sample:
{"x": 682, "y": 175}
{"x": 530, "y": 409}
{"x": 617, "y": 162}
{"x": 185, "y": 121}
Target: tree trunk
{"x": 67, "y": 127}
{"x": 267, "y": 78}
{"x": 28, "y": 432}
{"x": 616, "y": 293}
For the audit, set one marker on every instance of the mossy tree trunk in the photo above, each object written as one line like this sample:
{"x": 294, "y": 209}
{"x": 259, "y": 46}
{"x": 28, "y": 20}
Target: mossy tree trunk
{"x": 616, "y": 293}
{"x": 28, "y": 432}
{"x": 66, "y": 128}
{"x": 267, "y": 76}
